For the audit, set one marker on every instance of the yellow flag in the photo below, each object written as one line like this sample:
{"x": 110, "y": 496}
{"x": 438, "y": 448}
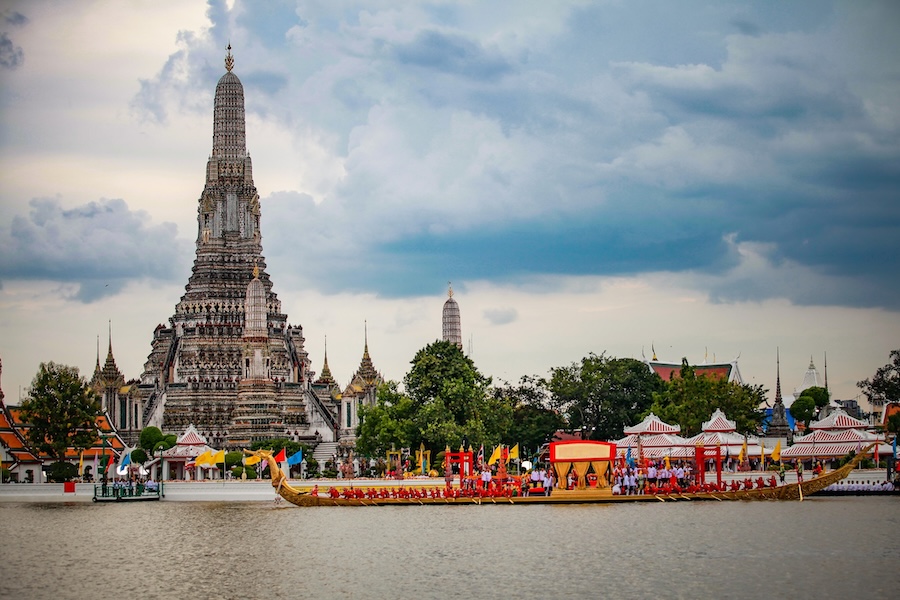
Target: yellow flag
{"x": 514, "y": 452}
{"x": 204, "y": 459}
{"x": 251, "y": 460}
{"x": 776, "y": 453}
{"x": 668, "y": 464}
{"x": 495, "y": 455}
{"x": 81, "y": 464}
{"x": 762, "y": 451}
{"x": 218, "y": 457}
{"x": 743, "y": 453}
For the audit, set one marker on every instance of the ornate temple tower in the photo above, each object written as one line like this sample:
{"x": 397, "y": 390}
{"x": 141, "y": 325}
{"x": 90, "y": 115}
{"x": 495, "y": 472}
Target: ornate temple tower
{"x": 118, "y": 398}
{"x": 228, "y": 335}
{"x": 778, "y": 425}
{"x": 452, "y": 328}
{"x": 361, "y": 391}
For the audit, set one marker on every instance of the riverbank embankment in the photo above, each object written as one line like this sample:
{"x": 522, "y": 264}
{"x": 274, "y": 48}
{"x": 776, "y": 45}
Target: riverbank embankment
{"x": 262, "y": 491}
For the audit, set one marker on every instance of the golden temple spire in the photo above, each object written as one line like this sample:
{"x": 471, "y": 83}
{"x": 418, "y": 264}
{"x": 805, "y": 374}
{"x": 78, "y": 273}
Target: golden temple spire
{"x": 366, "y": 338}
{"x": 449, "y": 290}
{"x": 229, "y": 59}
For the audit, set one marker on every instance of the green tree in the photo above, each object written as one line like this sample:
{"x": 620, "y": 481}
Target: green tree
{"x": 233, "y": 458}
{"x": 893, "y": 424}
{"x": 818, "y": 394}
{"x": 61, "y": 411}
{"x": 388, "y": 424}
{"x": 61, "y": 471}
{"x": 689, "y": 400}
{"x": 149, "y": 438}
{"x": 446, "y": 401}
{"x": 803, "y": 409}
{"x": 442, "y": 371}
{"x": 139, "y": 456}
{"x": 601, "y": 395}
{"x": 884, "y": 386}
{"x": 533, "y": 421}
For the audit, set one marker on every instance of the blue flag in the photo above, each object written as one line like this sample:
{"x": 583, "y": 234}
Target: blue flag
{"x": 628, "y": 458}
{"x": 295, "y": 459}
{"x": 895, "y": 447}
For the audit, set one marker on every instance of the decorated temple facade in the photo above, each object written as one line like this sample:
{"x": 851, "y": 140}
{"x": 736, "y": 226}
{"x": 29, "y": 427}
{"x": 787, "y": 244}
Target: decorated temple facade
{"x": 228, "y": 361}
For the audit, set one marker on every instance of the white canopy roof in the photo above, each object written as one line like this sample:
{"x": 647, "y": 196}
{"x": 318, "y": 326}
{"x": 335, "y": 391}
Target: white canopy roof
{"x": 652, "y": 424}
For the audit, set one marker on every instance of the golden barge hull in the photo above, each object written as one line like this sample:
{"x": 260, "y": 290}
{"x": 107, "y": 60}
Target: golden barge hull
{"x": 791, "y": 491}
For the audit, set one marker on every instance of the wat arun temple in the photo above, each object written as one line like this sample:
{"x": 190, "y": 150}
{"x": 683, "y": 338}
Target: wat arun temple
{"x": 229, "y": 362}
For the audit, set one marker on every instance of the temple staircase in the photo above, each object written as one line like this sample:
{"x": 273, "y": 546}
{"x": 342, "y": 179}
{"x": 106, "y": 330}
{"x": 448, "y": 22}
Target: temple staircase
{"x": 323, "y": 453}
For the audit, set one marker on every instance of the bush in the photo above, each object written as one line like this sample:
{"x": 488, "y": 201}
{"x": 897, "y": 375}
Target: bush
{"x": 312, "y": 467}
{"x": 233, "y": 458}
{"x": 62, "y": 471}
{"x": 236, "y": 472}
{"x": 251, "y": 473}
{"x": 138, "y": 456}
{"x": 150, "y": 437}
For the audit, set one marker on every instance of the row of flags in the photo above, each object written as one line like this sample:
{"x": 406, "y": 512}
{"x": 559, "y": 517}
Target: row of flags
{"x": 500, "y": 452}
{"x": 209, "y": 459}
{"x": 776, "y": 453}
{"x": 206, "y": 459}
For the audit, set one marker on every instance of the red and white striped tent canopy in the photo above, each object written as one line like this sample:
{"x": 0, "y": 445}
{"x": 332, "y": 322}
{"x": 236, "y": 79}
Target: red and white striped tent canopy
{"x": 718, "y": 422}
{"x": 717, "y": 431}
{"x": 834, "y": 444}
{"x": 838, "y": 419}
{"x": 652, "y": 424}
{"x": 653, "y": 447}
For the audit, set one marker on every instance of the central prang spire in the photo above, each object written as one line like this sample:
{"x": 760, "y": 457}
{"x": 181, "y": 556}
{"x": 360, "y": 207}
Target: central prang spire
{"x": 229, "y": 131}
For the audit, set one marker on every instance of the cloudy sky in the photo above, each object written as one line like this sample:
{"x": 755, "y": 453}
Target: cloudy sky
{"x": 710, "y": 179}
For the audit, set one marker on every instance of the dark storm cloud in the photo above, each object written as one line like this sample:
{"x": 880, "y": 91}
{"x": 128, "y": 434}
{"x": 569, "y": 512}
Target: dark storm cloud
{"x": 11, "y": 56}
{"x": 501, "y": 316}
{"x": 617, "y": 141}
{"x": 453, "y": 54}
{"x": 100, "y": 246}
{"x": 14, "y": 18}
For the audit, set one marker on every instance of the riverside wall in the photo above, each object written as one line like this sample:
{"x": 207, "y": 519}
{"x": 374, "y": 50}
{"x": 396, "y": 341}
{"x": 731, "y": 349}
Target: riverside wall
{"x": 262, "y": 490}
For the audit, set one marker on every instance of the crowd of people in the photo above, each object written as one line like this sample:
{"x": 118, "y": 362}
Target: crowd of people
{"x": 631, "y": 480}
{"x": 128, "y": 486}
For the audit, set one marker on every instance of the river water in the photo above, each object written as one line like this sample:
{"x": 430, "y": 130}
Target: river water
{"x": 821, "y": 548}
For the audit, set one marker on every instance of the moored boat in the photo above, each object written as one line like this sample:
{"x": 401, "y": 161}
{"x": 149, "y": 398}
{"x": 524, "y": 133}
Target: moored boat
{"x": 105, "y": 492}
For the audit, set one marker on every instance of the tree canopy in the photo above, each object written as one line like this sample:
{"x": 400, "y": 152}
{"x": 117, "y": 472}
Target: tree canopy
{"x": 601, "y": 395}
{"x": 445, "y": 401}
{"x": 884, "y": 386}
{"x": 804, "y": 409}
{"x": 818, "y": 394}
{"x": 533, "y": 421}
{"x": 689, "y": 400}
{"x": 61, "y": 411}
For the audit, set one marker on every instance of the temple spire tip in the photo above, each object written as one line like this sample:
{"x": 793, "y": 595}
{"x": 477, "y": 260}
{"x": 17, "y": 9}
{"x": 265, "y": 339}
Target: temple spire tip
{"x": 229, "y": 59}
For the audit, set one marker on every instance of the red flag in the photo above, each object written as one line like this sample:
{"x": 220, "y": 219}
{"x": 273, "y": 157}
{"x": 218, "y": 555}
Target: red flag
{"x": 281, "y": 456}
